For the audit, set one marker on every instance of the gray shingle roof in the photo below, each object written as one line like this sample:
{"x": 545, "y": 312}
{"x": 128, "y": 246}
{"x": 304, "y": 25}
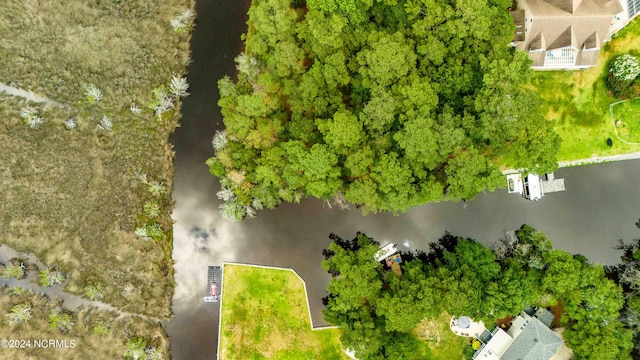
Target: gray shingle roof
{"x": 535, "y": 342}
{"x": 545, "y": 316}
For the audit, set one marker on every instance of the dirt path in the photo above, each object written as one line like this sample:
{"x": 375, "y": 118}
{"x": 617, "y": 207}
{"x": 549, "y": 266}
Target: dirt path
{"x": 69, "y": 301}
{"x": 28, "y": 95}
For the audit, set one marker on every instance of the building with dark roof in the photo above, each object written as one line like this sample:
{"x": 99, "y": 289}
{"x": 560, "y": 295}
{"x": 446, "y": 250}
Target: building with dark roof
{"x": 528, "y": 338}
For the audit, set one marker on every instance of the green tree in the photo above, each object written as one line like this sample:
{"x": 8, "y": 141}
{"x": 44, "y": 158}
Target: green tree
{"x": 411, "y": 298}
{"x": 343, "y": 132}
{"x": 599, "y": 340}
{"x": 513, "y": 291}
{"x": 358, "y": 277}
{"x": 627, "y": 275}
{"x": 469, "y": 173}
{"x": 378, "y": 310}
{"x": 407, "y": 102}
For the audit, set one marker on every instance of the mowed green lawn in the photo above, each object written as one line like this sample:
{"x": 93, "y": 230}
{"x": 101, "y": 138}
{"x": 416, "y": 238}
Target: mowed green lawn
{"x": 265, "y": 316}
{"x": 626, "y": 116}
{"x": 578, "y": 101}
{"x": 438, "y": 341}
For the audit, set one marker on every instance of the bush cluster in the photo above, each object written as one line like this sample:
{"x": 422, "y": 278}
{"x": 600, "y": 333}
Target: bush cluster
{"x": 623, "y": 70}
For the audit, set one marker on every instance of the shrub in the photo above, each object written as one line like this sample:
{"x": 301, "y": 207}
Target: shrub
{"x": 105, "y": 123}
{"x": 151, "y": 209}
{"x": 623, "y": 70}
{"x": 92, "y": 93}
{"x": 70, "y": 123}
{"x": 19, "y": 314}
{"x": 179, "y": 86}
{"x": 101, "y": 329}
{"x": 180, "y": 23}
{"x": 18, "y": 291}
{"x": 135, "y": 109}
{"x": 13, "y": 272}
{"x": 141, "y": 232}
{"x": 30, "y": 117}
{"x": 231, "y": 210}
{"x": 135, "y": 349}
{"x": 161, "y": 102}
{"x": 51, "y": 277}
{"x": 93, "y": 292}
{"x": 60, "y": 321}
{"x": 156, "y": 189}
{"x": 219, "y": 140}
{"x": 154, "y": 354}
{"x": 154, "y": 231}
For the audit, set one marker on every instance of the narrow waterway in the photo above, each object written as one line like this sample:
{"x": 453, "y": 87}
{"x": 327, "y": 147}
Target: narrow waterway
{"x": 214, "y": 45}
{"x": 600, "y": 206}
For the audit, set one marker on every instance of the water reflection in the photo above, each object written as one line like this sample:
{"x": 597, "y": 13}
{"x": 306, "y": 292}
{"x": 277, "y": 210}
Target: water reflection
{"x": 599, "y": 207}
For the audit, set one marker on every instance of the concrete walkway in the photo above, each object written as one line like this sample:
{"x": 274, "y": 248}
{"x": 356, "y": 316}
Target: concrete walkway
{"x": 600, "y": 159}
{"x": 475, "y": 329}
{"x": 586, "y": 161}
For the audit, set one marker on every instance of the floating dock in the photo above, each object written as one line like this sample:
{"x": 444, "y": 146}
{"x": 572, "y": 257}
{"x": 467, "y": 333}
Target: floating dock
{"x": 534, "y": 187}
{"x": 214, "y": 280}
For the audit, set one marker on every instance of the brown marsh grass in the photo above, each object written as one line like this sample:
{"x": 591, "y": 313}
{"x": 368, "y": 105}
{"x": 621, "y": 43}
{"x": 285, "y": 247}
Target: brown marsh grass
{"x": 72, "y": 197}
{"x": 89, "y": 344}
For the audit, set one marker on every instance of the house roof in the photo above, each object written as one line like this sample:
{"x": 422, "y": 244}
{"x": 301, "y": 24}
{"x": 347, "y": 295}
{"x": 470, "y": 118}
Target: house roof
{"x": 545, "y": 316}
{"x": 579, "y": 24}
{"x": 497, "y": 345}
{"x": 535, "y": 342}
{"x": 518, "y": 20}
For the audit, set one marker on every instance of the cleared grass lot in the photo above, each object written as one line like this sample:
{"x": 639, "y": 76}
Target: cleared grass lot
{"x": 72, "y": 196}
{"x": 578, "y": 101}
{"x": 439, "y": 342}
{"x": 264, "y": 316}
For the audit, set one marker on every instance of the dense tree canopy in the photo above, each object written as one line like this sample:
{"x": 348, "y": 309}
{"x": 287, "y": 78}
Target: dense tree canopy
{"x": 374, "y": 306}
{"x": 627, "y": 274}
{"x": 386, "y": 103}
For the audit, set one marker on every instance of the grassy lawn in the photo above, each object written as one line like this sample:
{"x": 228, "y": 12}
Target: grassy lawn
{"x": 439, "y": 342}
{"x": 72, "y": 196}
{"x": 97, "y": 334}
{"x": 578, "y": 101}
{"x": 626, "y": 116}
{"x": 265, "y": 316}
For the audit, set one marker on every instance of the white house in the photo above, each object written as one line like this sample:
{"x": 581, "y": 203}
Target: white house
{"x": 568, "y": 34}
{"x": 528, "y": 338}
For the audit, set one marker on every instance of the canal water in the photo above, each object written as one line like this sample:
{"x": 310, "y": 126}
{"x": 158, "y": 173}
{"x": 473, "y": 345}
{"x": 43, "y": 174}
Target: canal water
{"x": 600, "y": 206}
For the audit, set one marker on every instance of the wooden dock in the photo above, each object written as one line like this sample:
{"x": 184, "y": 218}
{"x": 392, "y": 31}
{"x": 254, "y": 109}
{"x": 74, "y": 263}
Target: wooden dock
{"x": 214, "y": 275}
{"x": 551, "y": 184}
